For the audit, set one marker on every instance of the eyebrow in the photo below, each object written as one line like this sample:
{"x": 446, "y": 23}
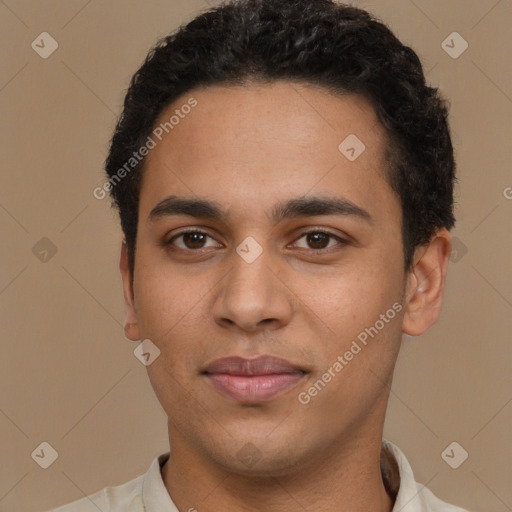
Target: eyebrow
{"x": 293, "y": 208}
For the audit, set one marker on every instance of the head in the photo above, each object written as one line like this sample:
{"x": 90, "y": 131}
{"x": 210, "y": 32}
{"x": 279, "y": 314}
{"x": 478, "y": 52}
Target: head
{"x": 245, "y": 114}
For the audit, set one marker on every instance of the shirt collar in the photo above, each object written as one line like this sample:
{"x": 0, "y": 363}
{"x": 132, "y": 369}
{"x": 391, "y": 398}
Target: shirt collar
{"x": 400, "y": 478}
{"x": 155, "y": 496}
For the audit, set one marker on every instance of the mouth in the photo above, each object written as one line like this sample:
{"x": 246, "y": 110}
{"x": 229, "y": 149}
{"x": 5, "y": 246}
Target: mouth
{"x": 253, "y": 380}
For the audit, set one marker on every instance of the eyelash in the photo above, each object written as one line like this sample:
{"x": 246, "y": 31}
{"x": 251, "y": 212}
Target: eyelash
{"x": 340, "y": 241}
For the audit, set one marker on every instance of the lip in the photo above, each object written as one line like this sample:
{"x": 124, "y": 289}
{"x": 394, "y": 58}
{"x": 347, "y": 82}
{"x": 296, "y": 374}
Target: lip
{"x": 253, "y": 380}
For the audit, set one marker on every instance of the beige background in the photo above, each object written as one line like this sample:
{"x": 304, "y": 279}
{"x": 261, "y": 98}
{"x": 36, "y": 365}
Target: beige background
{"x": 68, "y": 375}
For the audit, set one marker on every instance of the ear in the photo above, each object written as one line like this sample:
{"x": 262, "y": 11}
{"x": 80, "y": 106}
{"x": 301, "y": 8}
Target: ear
{"x": 131, "y": 327}
{"x": 425, "y": 284}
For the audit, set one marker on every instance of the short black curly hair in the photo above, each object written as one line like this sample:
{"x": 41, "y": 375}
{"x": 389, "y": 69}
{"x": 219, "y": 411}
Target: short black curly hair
{"x": 339, "y": 47}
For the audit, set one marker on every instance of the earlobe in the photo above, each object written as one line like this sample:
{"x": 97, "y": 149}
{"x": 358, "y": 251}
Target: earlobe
{"x": 131, "y": 326}
{"x": 425, "y": 284}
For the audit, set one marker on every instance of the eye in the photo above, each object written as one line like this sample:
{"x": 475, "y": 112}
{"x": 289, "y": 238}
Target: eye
{"x": 191, "y": 240}
{"x": 320, "y": 240}
{"x": 195, "y": 240}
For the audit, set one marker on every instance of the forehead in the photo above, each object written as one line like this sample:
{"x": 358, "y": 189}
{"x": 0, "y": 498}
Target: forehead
{"x": 262, "y": 141}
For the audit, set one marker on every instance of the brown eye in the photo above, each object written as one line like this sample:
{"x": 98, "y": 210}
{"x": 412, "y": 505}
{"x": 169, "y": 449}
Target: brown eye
{"x": 190, "y": 240}
{"x": 319, "y": 240}
{"x": 194, "y": 240}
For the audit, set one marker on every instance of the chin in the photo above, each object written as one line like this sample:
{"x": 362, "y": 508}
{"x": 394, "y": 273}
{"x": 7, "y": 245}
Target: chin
{"x": 261, "y": 455}
{"x": 251, "y": 462}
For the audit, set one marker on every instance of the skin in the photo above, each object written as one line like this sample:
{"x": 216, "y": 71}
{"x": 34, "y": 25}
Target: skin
{"x": 249, "y": 148}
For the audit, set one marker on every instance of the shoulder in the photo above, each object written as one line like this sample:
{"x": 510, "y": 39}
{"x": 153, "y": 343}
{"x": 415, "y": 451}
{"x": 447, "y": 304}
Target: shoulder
{"x": 143, "y": 493}
{"x": 126, "y": 497}
{"x": 432, "y": 503}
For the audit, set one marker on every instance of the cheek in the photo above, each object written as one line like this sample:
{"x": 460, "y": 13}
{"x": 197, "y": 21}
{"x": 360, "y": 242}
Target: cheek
{"x": 170, "y": 317}
{"x": 360, "y": 348}
{"x": 172, "y": 311}
{"x": 355, "y": 298}
{"x": 164, "y": 298}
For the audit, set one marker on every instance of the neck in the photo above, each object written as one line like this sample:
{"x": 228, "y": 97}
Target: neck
{"x": 346, "y": 478}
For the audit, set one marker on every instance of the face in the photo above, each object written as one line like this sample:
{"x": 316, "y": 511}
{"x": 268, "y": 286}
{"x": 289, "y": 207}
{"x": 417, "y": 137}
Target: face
{"x": 259, "y": 236}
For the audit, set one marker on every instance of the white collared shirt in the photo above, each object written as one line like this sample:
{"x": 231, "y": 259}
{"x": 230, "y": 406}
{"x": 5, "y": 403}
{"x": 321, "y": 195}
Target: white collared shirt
{"x": 147, "y": 492}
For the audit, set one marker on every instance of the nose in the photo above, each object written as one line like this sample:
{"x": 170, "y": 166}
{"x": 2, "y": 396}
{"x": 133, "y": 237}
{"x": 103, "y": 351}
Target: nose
{"x": 254, "y": 296}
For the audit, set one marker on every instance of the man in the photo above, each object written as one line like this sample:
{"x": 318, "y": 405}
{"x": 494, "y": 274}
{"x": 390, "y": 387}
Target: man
{"x": 284, "y": 178}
